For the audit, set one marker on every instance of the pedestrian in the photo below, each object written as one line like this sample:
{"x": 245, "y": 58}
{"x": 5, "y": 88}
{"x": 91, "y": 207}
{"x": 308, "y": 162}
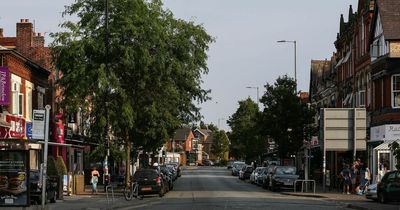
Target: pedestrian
{"x": 94, "y": 180}
{"x": 346, "y": 175}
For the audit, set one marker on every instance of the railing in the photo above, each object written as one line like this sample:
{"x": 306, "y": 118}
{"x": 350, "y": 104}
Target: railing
{"x": 108, "y": 187}
{"x": 303, "y": 181}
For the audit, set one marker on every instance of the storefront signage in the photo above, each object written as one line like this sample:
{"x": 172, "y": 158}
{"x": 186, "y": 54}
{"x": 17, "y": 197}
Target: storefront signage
{"x": 38, "y": 124}
{"x": 4, "y": 86}
{"x": 14, "y": 178}
{"x": 29, "y": 130}
{"x": 385, "y": 132}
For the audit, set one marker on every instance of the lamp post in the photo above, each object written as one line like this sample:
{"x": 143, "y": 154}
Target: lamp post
{"x": 258, "y": 99}
{"x": 295, "y": 58}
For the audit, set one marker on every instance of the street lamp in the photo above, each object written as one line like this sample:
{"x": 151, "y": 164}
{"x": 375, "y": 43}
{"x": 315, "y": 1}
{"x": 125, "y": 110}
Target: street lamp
{"x": 250, "y": 87}
{"x": 295, "y": 55}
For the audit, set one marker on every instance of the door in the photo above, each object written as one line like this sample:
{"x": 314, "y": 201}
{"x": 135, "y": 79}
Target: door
{"x": 383, "y": 163}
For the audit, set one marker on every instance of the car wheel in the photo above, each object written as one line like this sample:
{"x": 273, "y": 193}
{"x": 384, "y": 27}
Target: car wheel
{"x": 382, "y": 197}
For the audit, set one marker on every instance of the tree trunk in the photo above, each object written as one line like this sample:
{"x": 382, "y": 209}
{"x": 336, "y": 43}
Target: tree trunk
{"x": 128, "y": 161}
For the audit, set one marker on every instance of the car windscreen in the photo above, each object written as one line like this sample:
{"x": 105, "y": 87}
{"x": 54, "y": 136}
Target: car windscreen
{"x": 285, "y": 171}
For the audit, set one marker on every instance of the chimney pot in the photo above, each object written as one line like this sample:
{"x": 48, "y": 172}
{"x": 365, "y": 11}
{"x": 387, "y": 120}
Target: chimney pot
{"x": 26, "y": 20}
{"x": 22, "y": 20}
{"x": 39, "y": 34}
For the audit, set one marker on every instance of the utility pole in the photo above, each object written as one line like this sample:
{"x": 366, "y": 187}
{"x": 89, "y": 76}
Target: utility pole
{"x": 107, "y": 140}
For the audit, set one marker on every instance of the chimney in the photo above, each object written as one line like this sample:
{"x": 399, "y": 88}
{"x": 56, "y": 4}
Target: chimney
{"x": 38, "y": 40}
{"x": 1, "y": 32}
{"x": 24, "y": 36}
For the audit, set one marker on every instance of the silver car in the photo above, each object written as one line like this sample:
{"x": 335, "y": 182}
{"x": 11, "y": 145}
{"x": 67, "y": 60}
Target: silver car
{"x": 371, "y": 192}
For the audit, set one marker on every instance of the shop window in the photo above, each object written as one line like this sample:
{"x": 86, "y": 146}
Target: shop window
{"x": 17, "y": 99}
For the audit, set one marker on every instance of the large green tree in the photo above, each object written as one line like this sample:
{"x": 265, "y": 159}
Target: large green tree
{"x": 220, "y": 144}
{"x": 245, "y": 140}
{"x": 142, "y": 78}
{"x": 285, "y": 118}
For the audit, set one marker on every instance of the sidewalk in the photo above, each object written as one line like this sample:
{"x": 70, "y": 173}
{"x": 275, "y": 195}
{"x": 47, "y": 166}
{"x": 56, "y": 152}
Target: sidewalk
{"x": 349, "y": 201}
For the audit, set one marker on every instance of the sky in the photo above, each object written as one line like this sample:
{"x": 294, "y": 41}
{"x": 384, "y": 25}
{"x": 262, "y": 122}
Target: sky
{"x": 245, "y": 52}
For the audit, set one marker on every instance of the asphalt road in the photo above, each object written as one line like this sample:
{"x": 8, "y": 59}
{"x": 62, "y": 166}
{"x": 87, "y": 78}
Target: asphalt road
{"x": 201, "y": 188}
{"x": 214, "y": 188}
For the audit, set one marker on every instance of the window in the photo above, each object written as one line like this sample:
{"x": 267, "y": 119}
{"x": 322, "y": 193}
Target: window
{"x": 362, "y": 36}
{"x": 361, "y": 98}
{"x": 17, "y": 96}
{"x": 28, "y": 99}
{"x": 40, "y": 96}
{"x": 396, "y": 91}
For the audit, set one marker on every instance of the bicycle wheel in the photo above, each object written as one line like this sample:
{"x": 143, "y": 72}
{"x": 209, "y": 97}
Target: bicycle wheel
{"x": 128, "y": 193}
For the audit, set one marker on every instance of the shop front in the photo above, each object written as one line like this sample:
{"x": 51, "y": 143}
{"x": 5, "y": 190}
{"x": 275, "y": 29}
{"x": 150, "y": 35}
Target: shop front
{"x": 382, "y": 156}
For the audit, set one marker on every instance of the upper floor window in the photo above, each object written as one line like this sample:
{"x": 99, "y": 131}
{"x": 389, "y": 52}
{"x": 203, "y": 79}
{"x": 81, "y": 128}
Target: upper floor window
{"x": 396, "y": 91}
{"x": 17, "y": 96}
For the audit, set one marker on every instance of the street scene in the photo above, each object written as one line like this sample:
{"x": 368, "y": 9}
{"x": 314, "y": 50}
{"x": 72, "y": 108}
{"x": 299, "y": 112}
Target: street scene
{"x": 213, "y": 188}
{"x": 201, "y": 104}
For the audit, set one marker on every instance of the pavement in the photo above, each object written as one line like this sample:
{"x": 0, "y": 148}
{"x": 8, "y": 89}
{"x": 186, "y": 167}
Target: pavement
{"x": 351, "y": 201}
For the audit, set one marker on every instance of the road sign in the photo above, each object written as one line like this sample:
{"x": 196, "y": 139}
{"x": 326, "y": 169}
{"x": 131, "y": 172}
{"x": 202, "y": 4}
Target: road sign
{"x": 38, "y": 124}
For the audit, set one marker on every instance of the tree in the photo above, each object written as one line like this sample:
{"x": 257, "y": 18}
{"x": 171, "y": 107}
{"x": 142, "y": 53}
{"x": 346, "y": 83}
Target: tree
{"x": 286, "y": 119}
{"x": 245, "y": 140}
{"x": 395, "y": 147}
{"x": 141, "y": 77}
{"x": 220, "y": 144}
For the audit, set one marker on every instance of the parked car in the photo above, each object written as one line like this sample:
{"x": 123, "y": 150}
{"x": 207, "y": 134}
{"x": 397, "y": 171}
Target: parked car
{"x": 150, "y": 182}
{"x": 36, "y": 187}
{"x": 174, "y": 171}
{"x": 259, "y": 179}
{"x": 236, "y": 168}
{"x": 266, "y": 176}
{"x": 389, "y": 187}
{"x": 208, "y": 162}
{"x": 245, "y": 172}
{"x": 169, "y": 179}
{"x": 229, "y": 164}
{"x": 370, "y": 193}
{"x": 283, "y": 177}
{"x": 255, "y": 174}
{"x": 177, "y": 167}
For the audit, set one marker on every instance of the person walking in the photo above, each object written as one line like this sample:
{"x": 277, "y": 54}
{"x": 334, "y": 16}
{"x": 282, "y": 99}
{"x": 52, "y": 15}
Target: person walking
{"x": 346, "y": 175}
{"x": 94, "y": 180}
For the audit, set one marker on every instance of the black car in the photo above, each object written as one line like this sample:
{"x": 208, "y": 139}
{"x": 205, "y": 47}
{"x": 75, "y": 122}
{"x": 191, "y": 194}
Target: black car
{"x": 283, "y": 177}
{"x": 36, "y": 187}
{"x": 169, "y": 179}
{"x": 389, "y": 187}
{"x": 150, "y": 182}
{"x": 245, "y": 172}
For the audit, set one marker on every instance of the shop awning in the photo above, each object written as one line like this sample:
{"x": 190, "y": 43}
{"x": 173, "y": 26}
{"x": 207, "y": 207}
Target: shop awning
{"x": 385, "y": 145}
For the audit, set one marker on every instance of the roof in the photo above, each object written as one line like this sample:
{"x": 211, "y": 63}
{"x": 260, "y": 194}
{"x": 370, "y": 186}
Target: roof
{"x": 385, "y": 145}
{"x": 389, "y": 11}
{"x": 28, "y": 61}
{"x": 8, "y": 41}
{"x": 182, "y": 134}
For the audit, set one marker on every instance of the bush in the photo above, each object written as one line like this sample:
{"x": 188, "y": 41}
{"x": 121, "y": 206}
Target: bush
{"x": 60, "y": 165}
{"x": 51, "y": 166}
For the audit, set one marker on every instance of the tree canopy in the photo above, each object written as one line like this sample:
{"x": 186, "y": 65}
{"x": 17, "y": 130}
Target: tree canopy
{"x": 285, "y": 119}
{"x": 143, "y": 76}
{"x": 220, "y": 144}
{"x": 245, "y": 140}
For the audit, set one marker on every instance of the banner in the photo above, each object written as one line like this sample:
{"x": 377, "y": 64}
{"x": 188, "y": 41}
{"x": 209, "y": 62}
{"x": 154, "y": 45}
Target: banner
{"x": 4, "y": 86}
{"x": 14, "y": 178}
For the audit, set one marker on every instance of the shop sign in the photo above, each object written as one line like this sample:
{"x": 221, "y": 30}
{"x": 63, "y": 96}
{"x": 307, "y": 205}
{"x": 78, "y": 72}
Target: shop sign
{"x": 29, "y": 130}
{"x": 385, "y": 132}
{"x": 4, "y": 86}
{"x": 14, "y": 178}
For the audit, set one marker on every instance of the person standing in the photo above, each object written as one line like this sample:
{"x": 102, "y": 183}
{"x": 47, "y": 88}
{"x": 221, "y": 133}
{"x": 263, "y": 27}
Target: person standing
{"x": 346, "y": 174}
{"x": 94, "y": 180}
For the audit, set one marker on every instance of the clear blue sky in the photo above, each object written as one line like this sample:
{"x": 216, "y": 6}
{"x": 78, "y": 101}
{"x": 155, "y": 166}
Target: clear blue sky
{"x": 245, "y": 52}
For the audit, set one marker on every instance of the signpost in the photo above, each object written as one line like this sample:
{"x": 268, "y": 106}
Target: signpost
{"x": 46, "y": 146}
{"x": 344, "y": 129}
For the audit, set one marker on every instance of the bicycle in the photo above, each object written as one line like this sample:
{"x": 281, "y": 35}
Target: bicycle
{"x": 132, "y": 190}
